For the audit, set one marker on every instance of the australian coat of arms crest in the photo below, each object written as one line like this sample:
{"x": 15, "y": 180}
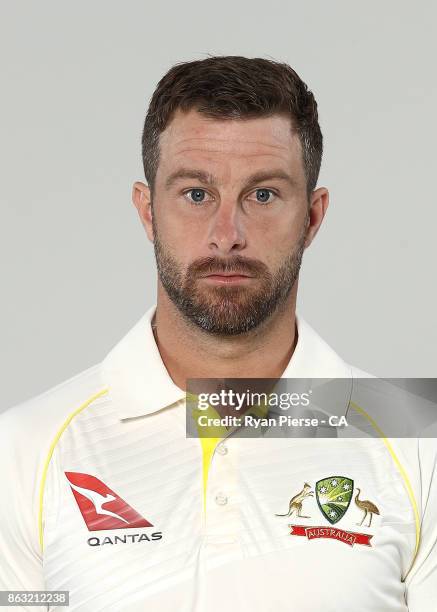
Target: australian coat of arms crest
{"x": 334, "y": 495}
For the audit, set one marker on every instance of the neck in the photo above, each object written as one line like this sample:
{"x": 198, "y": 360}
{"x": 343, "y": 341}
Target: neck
{"x": 189, "y": 352}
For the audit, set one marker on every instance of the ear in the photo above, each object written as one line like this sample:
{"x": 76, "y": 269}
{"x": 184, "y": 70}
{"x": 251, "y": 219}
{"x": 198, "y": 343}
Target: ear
{"x": 142, "y": 200}
{"x": 318, "y": 206}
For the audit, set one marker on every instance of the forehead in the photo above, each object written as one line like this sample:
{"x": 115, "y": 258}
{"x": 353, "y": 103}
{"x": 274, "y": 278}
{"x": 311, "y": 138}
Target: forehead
{"x": 190, "y": 134}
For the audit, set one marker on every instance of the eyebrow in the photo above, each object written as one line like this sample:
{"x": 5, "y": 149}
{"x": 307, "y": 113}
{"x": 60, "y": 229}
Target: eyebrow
{"x": 208, "y": 179}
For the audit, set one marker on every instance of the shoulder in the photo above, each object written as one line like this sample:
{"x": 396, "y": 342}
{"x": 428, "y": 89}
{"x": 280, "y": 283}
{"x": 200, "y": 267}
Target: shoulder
{"x": 28, "y": 434}
{"x": 28, "y": 429}
{"x": 397, "y": 411}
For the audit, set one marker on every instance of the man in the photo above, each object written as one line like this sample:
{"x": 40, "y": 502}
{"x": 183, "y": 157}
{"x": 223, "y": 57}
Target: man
{"x": 106, "y": 497}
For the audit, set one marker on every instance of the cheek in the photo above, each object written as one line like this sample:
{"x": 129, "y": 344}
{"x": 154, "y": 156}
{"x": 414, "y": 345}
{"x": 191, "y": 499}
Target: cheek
{"x": 278, "y": 238}
{"x": 177, "y": 241}
{"x": 179, "y": 227}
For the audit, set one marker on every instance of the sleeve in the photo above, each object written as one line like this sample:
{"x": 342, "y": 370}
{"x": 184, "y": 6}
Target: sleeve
{"x": 20, "y": 555}
{"x": 421, "y": 582}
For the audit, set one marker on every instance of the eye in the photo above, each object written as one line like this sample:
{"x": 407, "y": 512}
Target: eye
{"x": 262, "y": 195}
{"x": 198, "y": 195}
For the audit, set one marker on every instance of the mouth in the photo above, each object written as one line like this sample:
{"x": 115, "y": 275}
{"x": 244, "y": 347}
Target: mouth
{"x": 227, "y": 278}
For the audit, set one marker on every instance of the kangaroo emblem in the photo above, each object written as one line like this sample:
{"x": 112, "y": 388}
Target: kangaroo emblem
{"x": 295, "y": 504}
{"x": 98, "y": 501}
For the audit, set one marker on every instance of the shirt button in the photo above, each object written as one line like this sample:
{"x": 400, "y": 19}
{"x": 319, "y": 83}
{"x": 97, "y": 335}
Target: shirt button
{"x": 222, "y": 449}
{"x": 221, "y": 499}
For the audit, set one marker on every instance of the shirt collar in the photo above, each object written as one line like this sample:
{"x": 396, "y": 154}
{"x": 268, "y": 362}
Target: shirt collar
{"x": 140, "y": 384}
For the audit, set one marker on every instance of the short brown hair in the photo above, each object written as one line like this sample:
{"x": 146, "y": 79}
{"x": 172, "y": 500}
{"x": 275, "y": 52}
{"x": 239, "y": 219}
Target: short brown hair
{"x": 233, "y": 86}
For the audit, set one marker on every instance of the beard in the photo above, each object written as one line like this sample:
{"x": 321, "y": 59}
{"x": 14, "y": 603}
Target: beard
{"x": 227, "y": 310}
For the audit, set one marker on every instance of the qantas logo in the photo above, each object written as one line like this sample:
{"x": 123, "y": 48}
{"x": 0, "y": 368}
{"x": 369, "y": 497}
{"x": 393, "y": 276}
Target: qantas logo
{"x": 101, "y": 507}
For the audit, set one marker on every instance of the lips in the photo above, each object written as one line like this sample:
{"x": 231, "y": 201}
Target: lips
{"x": 227, "y": 274}
{"x": 227, "y": 278}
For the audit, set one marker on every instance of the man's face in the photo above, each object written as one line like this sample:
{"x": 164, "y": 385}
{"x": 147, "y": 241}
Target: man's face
{"x": 229, "y": 244}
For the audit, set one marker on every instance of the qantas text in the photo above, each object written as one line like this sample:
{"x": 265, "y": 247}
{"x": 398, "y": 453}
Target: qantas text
{"x": 125, "y": 539}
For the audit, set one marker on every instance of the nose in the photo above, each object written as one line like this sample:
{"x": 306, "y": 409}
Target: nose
{"x": 226, "y": 232}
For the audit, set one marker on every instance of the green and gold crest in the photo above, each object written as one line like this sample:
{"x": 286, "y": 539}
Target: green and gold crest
{"x": 334, "y": 496}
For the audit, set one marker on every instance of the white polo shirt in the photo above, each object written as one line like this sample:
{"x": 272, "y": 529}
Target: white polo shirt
{"x": 103, "y": 495}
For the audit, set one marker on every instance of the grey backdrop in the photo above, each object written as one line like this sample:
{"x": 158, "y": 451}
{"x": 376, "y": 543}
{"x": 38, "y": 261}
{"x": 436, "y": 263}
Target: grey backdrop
{"x": 77, "y": 269}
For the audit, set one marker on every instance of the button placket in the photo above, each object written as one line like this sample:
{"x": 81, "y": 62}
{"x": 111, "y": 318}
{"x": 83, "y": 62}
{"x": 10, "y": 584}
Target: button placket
{"x": 221, "y": 519}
